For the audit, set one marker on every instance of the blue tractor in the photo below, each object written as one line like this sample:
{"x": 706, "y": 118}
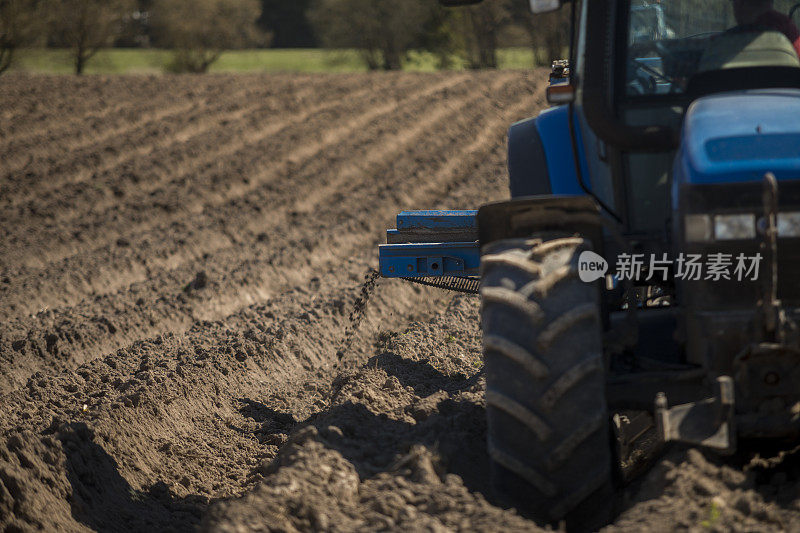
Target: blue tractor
{"x": 648, "y": 259}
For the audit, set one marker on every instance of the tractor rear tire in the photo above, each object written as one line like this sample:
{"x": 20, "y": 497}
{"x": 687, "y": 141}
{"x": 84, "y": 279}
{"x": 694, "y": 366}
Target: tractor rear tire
{"x": 549, "y": 432}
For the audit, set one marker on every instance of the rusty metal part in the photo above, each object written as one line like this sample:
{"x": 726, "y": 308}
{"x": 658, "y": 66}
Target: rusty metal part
{"x": 778, "y": 326}
{"x": 770, "y": 304}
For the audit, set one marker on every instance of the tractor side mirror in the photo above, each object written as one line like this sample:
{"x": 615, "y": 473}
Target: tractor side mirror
{"x": 544, "y": 6}
{"x": 561, "y": 90}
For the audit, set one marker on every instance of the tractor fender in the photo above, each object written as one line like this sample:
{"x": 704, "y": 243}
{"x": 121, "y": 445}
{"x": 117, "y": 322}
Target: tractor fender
{"x": 527, "y": 166}
{"x": 519, "y": 218}
{"x": 540, "y": 156}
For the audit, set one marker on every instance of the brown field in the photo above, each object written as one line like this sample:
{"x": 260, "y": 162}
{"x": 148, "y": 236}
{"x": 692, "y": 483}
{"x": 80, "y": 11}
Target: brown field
{"x": 191, "y": 335}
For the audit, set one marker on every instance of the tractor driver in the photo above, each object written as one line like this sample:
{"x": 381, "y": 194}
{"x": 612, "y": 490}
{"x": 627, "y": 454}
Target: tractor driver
{"x": 761, "y": 14}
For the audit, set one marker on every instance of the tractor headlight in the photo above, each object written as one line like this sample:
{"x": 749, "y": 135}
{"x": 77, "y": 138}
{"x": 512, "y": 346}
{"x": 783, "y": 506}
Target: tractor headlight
{"x": 707, "y": 228}
{"x": 734, "y": 227}
{"x": 698, "y": 228}
{"x": 789, "y": 224}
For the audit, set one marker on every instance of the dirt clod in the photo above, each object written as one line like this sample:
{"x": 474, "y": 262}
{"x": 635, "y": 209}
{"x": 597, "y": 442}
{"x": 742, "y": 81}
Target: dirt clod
{"x": 199, "y": 282}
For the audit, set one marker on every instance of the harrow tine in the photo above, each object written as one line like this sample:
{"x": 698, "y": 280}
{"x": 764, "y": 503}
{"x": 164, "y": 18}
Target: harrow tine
{"x": 450, "y": 283}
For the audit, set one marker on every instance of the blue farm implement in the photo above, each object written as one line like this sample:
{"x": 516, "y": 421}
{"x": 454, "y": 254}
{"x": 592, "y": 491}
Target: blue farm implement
{"x": 451, "y": 263}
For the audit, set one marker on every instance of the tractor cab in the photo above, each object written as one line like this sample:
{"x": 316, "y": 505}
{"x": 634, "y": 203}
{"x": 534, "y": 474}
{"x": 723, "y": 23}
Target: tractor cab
{"x": 632, "y": 106}
{"x": 648, "y": 259}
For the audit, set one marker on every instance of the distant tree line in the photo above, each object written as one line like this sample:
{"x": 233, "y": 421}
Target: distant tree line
{"x": 382, "y": 31}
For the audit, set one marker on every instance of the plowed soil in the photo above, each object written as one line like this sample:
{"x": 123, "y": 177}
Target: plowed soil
{"x": 192, "y": 335}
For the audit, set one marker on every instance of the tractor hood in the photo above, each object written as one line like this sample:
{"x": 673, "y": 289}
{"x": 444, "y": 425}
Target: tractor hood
{"x": 738, "y": 137}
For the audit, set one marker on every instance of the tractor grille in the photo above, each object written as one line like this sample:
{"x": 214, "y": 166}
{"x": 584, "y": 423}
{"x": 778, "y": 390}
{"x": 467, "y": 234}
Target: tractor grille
{"x": 743, "y": 198}
{"x": 723, "y": 294}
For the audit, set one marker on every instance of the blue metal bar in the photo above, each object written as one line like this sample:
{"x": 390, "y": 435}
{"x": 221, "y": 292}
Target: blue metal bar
{"x": 437, "y": 220}
{"x": 429, "y": 259}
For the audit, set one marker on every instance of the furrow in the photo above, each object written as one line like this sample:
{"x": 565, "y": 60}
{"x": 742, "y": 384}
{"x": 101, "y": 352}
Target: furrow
{"x": 194, "y": 194}
{"x": 109, "y": 149}
{"x": 243, "y": 290}
{"x": 179, "y": 160}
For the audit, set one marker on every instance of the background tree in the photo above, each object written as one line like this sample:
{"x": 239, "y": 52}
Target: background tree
{"x": 548, "y": 33}
{"x": 20, "y": 25}
{"x": 382, "y": 31}
{"x": 551, "y": 35}
{"x": 85, "y": 26}
{"x": 287, "y": 22}
{"x": 480, "y": 26}
{"x": 200, "y": 30}
{"x": 136, "y": 31}
{"x": 442, "y": 36}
